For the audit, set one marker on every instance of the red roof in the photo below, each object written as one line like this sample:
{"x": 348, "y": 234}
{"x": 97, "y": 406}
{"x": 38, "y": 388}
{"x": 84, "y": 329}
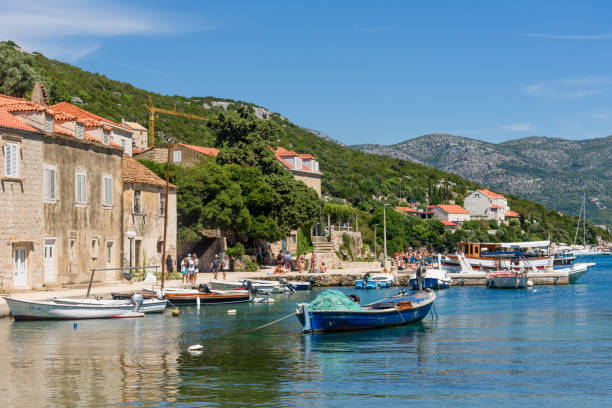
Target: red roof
{"x": 406, "y": 209}
{"x": 452, "y": 209}
{"x": 208, "y": 151}
{"x": 63, "y": 131}
{"x": 9, "y": 121}
{"x": 495, "y": 206}
{"x": 490, "y": 194}
{"x": 448, "y": 223}
{"x": 66, "y": 107}
{"x": 512, "y": 214}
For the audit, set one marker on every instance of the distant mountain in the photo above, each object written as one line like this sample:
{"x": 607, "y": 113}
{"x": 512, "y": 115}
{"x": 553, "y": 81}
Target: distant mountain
{"x": 323, "y": 136}
{"x": 554, "y": 172}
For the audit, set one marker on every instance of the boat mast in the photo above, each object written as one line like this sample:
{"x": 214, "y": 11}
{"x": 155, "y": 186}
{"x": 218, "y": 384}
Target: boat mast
{"x": 578, "y": 223}
{"x": 584, "y": 219}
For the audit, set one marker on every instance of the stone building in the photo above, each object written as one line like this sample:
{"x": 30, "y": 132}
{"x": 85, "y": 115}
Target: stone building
{"x": 63, "y": 192}
{"x": 21, "y": 228}
{"x": 140, "y": 136}
{"x": 304, "y": 167}
{"x": 144, "y": 194}
{"x": 487, "y": 205}
{"x": 182, "y": 154}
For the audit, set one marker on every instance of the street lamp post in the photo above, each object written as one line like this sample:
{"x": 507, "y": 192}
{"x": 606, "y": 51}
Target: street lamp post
{"x": 385, "y": 231}
{"x": 130, "y": 235}
{"x": 375, "y": 253}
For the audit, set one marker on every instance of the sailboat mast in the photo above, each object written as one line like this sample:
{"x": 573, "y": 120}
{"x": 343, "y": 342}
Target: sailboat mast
{"x": 584, "y": 219}
{"x": 578, "y": 224}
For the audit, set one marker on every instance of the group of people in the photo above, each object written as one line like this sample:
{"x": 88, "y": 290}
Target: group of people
{"x": 190, "y": 267}
{"x": 222, "y": 265}
{"x": 283, "y": 263}
{"x": 409, "y": 259}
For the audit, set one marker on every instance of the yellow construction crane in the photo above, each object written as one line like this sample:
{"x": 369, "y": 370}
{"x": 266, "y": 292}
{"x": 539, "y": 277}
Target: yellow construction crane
{"x": 153, "y": 110}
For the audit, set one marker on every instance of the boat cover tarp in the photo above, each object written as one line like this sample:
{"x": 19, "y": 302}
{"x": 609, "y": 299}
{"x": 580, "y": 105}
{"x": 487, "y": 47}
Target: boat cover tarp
{"x": 333, "y": 300}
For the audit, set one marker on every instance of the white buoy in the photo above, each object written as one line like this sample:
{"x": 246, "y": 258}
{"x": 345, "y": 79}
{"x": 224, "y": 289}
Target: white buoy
{"x": 231, "y": 311}
{"x": 198, "y": 302}
{"x": 534, "y": 291}
{"x": 195, "y": 347}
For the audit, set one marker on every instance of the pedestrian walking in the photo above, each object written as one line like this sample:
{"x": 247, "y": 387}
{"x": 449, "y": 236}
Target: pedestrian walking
{"x": 215, "y": 265}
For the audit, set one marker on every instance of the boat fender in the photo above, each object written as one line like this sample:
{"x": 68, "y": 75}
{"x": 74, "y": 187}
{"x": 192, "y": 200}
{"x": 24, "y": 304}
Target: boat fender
{"x": 176, "y": 312}
{"x": 354, "y": 298}
{"x": 137, "y": 299}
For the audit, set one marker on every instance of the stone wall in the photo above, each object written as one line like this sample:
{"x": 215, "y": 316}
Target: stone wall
{"x": 80, "y": 233}
{"x": 148, "y": 225}
{"x": 312, "y": 180}
{"x": 156, "y": 154}
{"x": 21, "y": 224}
{"x": 356, "y": 241}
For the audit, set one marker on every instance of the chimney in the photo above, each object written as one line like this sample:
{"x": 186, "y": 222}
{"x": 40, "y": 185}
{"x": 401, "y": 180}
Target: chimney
{"x": 39, "y": 95}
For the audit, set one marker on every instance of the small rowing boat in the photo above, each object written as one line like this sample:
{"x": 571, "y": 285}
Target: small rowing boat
{"x": 206, "y": 296}
{"x": 151, "y": 305}
{"x": 332, "y": 310}
{"x": 507, "y": 280}
{"x": 30, "y": 310}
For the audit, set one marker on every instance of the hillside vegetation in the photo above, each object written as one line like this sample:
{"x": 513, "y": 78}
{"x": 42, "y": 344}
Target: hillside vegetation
{"x": 350, "y": 175}
{"x": 554, "y": 172}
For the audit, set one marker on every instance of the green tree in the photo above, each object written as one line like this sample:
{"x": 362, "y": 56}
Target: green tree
{"x": 17, "y": 76}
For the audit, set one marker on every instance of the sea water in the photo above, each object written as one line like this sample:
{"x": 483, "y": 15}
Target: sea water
{"x": 547, "y": 346}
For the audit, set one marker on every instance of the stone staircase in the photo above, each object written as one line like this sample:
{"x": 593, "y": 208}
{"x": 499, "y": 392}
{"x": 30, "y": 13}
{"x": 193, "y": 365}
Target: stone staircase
{"x": 325, "y": 252}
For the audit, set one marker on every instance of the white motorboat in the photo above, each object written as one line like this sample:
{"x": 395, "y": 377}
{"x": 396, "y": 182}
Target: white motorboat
{"x": 507, "y": 280}
{"x": 382, "y": 280}
{"x": 148, "y": 305}
{"x": 30, "y": 310}
{"x": 433, "y": 278}
{"x": 261, "y": 285}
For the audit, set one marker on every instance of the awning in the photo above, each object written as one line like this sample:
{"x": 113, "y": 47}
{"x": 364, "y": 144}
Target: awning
{"x": 526, "y": 244}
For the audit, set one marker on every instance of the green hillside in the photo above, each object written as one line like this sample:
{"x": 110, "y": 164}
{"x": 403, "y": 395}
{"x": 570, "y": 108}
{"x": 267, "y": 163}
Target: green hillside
{"x": 349, "y": 174}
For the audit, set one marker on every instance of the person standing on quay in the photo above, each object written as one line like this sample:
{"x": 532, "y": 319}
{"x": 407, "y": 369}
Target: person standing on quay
{"x": 196, "y": 262}
{"x": 191, "y": 268}
{"x": 215, "y": 265}
{"x": 184, "y": 269}
{"x": 225, "y": 266}
{"x": 313, "y": 262}
{"x": 300, "y": 263}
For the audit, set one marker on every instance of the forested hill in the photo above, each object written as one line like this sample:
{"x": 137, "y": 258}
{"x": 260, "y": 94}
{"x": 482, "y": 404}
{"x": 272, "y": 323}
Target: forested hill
{"x": 554, "y": 172}
{"x": 349, "y": 174}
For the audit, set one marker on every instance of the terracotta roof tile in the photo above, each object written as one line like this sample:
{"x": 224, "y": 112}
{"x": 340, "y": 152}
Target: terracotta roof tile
{"x": 406, "y": 209}
{"x": 135, "y": 126}
{"x": 452, "y": 209}
{"x": 449, "y": 223}
{"x": 512, "y": 214}
{"x": 66, "y": 107}
{"x": 208, "y": 151}
{"x": 63, "y": 132}
{"x": 490, "y": 194}
{"x": 134, "y": 172}
{"x": 9, "y": 121}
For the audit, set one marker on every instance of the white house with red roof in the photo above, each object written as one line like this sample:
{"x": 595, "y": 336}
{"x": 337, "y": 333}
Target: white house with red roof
{"x": 486, "y": 205}
{"x": 304, "y": 167}
{"x": 451, "y": 212}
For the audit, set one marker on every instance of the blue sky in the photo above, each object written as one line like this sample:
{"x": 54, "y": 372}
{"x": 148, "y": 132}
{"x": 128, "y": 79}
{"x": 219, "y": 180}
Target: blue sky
{"x": 362, "y": 72}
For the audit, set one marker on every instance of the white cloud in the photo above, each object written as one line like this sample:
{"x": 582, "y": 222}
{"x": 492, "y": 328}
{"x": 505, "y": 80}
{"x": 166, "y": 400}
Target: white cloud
{"x": 517, "y": 127}
{"x": 74, "y": 29}
{"x": 544, "y": 36}
{"x": 569, "y": 88}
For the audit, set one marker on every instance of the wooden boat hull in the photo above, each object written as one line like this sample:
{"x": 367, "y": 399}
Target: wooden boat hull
{"x": 28, "y": 310}
{"x": 326, "y": 321}
{"x": 152, "y": 305}
{"x": 187, "y": 298}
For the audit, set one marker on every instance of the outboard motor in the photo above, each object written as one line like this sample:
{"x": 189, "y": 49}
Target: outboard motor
{"x": 203, "y": 288}
{"x": 248, "y": 285}
{"x": 137, "y": 300}
{"x": 420, "y": 272}
{"x": 284, "y": 281}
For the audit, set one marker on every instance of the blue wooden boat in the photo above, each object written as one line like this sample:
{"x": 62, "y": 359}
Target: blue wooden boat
{"x": 392, "y": 311}
{"x": 371, "y": 285}
{"x": 359, "y": 284}
{"x": 431, "y": 279}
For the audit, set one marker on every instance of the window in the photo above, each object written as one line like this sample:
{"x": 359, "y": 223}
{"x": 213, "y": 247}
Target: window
{"x": 95, "y": 249}
{"x": 160, "y": 246}
{"x": 107, "y": 185}
{"x": 80, "y": 188}
{"x": 123, "y": 144}
{"x": 137, "y": 203}
{"x": 72, "y": 249}
{"x": 177, "y": 156}
{"x": 106, "y": 136}
{"x": 11, "y": 151}
{"x": 49, "y": 183}
{"x": 109, "y": 252}
{"x": 298, "y": 163}
{"x": 48, "y": 123}
{"x": 162, "y": 203}
{"x": 79, "y": 131}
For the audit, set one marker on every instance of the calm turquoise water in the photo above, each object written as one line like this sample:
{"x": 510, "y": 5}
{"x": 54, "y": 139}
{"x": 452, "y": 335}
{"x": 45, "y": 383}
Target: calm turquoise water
{"x": 552, "y": 347}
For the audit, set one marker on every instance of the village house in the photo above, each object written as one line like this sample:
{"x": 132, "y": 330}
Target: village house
{"x": 62, "y": 194}
{"x": 407, "y": 210}
{"x": 181, "y": 154}
{"x": 144, "y": 196}
{"x": 304, "y": 167}
{"x": 451, "y": 212}
{"x": 487, "y": 205}
{"x": 110, "y": 132}
{"x": 140, "y": 136}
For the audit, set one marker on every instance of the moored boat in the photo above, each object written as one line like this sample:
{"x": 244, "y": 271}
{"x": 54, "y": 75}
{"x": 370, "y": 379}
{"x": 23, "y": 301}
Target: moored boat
{"x": 507, "y": 280}
{"x": 334, "y": 311}
{"x": 151, "y": 305}
{"x": 433, "y": 278}
{"x": 31, "y": 310}
{"x": 206, "y": 296}
{"x": 383, "y": 280}
{"x": 262, "y": 285}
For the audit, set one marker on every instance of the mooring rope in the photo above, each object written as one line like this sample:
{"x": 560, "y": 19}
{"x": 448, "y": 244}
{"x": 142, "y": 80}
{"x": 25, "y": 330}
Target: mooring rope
{"x": 268, "y": 324}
